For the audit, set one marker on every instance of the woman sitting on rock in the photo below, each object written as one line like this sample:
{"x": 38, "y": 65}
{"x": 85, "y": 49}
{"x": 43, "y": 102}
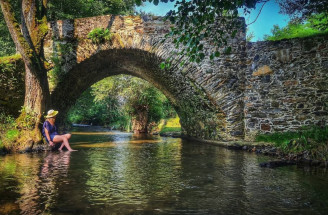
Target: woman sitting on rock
{"x": 50, "y": 132}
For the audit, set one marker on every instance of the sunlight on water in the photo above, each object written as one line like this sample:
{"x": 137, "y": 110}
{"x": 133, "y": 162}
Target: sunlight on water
{"x": 121, "y": 173}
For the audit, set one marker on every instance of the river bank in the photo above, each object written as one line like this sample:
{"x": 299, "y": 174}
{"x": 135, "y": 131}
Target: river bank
{"x": 266, "y": 148}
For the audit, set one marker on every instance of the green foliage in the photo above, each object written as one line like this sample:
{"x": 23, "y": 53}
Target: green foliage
{"x": 69, "y": 9}
{"x": 250, "y": 35}
{"x": 314, "y": 140}
{"x": 170, "y": 129}
{"x": 8, "y": 130}
{"x": 100, "y": 35}
{"x": 313, "y": 26}
{"x": 197, "y": 21}
{"x": 6, "y": 43}
{"x": 116, "y": 100}
{"x": 61, "y": 49}
{"x": 300, "y": 10}
{"x": 12, "y": 134}
{"x": 171, "y": 125}
{"x": 66, "y": 9}
{"x": 7, "y": 122}
{"x": 27, "y": 119}
{"x": 12, "y": 86}
{"x": 86, "y": 110}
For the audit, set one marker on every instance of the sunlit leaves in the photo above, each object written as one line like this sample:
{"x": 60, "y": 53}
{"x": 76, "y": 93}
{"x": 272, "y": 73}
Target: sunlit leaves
{"x": 196, "y": 21}
{"x": 297, "y": 29}
{"x": 99, "y": 35}
{"x": 71, "y": 9}
{"x": 303, "y": 10}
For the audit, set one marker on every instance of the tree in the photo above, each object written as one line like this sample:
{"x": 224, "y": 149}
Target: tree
{"x": 71, "y": 9}
{"x": 66, "y": 9}
{"x": 138, "y": 100}
{"x": 302, "y": 10}
{"x": 28, "y": 36}
{"x": 6, "y": 43}
{"x": 298, "y": 29}
{"x": 198, "y": 20}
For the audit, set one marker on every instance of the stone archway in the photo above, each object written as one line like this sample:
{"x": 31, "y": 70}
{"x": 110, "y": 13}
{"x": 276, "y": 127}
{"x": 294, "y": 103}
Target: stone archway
{"x": 207, "y": 97}
{"x": 199, "y": 117}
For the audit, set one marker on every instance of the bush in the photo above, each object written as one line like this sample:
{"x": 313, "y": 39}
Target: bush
{"x": 8, "y": 130}
{"x": 313, "y": 140}
{"x": 100, "y": 35}
{"x": 12, "y": 134}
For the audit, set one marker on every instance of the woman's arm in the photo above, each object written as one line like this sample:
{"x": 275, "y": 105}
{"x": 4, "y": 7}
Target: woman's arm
{"x": 48, "y": 136}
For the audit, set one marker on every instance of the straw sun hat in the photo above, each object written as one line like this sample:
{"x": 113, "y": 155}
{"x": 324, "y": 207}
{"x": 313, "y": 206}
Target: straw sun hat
{"x": 51, "y": 113}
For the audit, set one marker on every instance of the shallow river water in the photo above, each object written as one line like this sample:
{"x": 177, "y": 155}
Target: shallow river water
{"x": 120, "y": 173}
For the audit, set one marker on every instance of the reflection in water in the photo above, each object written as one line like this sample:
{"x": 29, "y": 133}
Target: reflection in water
{"x": 54, "y": 169}
{"x": 120, "y": 173}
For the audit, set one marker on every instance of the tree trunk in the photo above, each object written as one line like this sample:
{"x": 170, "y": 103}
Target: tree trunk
{"x": 37, "y": 95}
{"x": 29, "y": 42}
{"x": 140, "y": 122}
{"x": 37, "y": 100}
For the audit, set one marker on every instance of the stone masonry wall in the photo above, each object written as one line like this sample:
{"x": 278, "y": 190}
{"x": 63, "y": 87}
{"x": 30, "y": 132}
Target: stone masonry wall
{"x": 286, "y": 85}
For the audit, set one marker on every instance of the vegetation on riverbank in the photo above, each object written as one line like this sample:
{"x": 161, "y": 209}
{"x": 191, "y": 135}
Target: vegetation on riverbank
{"x": 8, "y": 131}
{"x": 171, "y": 125}
{"x": 124, "y": 103}
{"x": 309, "y": 142}
{"x": 315, "y": 25}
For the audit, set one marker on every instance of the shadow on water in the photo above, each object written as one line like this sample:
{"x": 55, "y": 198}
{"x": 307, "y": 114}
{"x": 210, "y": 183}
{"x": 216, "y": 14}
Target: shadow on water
{"x": 121, "y": 173}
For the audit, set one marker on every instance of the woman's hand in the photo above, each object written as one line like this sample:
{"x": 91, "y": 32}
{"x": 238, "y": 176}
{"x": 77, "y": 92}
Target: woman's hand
{"x": 51, "y": 143}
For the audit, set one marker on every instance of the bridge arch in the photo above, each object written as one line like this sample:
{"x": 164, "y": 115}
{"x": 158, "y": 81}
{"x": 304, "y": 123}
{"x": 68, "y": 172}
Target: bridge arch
{"x": 207, "y": 97}
{"x": 199, "y": 117}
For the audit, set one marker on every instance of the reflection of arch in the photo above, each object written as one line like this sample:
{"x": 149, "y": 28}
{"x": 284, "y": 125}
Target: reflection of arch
{"x": 198, "y": 115}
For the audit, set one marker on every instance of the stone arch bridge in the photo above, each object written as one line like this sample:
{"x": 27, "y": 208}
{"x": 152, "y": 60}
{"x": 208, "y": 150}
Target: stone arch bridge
{"x": 233, "y": 97}
{"x": 206, "y": 97}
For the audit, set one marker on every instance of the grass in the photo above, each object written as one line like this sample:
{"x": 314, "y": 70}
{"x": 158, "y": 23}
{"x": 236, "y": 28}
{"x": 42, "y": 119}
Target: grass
{"x": 311, "y": 140}
{"x": 8, "y": 131}
{"x": 171, "y": 125}
{"x": 300, "y": 35}
{"x": 12, "y": 134}
{"x": 170, "y": 129}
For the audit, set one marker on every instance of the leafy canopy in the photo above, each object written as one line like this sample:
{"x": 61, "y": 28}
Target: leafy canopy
{"x": 114, "y": 101}
{"x": 303, "y": 10}
{"x": 199, "y": 20}
{"x": 296, "y": 29}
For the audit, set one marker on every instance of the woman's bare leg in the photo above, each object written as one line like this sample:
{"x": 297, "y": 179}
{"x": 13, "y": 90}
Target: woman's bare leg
{"x": 68, "y": 136}
{"x": 63, "y": 138}
{"x": 61, "y": 147}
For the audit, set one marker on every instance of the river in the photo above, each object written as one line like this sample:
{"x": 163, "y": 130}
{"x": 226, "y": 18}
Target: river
{"x": 120, "y": 173}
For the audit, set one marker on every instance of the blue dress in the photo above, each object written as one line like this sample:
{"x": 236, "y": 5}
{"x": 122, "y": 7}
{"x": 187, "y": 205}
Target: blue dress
{"x": 52, "y": 129}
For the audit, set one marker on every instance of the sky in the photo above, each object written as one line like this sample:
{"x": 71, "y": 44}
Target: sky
{"x": 268, "y": 17}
